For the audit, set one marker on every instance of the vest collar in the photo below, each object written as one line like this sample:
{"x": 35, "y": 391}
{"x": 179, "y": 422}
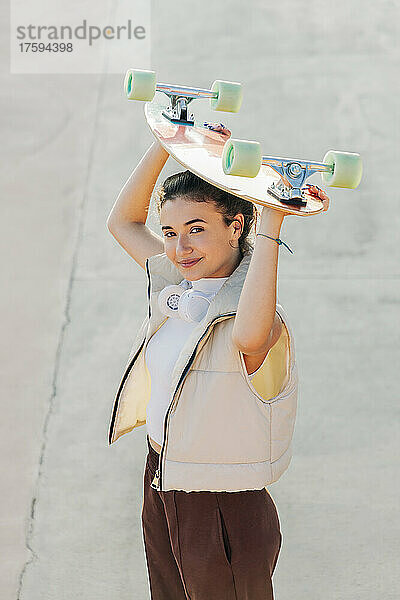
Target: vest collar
{"x": 162, "y": 272}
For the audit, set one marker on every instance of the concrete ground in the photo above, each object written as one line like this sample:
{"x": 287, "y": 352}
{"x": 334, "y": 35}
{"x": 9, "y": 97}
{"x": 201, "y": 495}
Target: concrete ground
{"x": 315, "y": 77}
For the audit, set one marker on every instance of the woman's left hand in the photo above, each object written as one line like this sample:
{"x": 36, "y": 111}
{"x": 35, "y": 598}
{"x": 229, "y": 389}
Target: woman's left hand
{"x": 319, "y": 194}
{"x": 315, "y": 192}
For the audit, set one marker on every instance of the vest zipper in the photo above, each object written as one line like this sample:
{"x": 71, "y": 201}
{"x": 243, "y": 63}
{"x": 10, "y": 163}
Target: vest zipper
{"x": 157, "y": 480}
{"x": 154, "y": 483}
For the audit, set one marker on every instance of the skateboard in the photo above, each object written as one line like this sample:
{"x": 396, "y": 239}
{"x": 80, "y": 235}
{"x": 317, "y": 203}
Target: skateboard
{"x": 233, "y": 165}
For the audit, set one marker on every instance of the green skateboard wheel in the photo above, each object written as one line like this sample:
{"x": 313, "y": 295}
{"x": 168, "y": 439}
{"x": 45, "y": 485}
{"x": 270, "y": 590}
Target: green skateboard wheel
{"x": 140, "y": 85}
{"x": 347, "y": 169}
{"x": 241, "y": 157}
{"x": 229, "y": 96}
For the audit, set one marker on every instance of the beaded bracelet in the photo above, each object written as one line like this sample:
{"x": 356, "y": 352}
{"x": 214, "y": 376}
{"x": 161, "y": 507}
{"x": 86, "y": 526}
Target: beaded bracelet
{"x": 277, "y": 240}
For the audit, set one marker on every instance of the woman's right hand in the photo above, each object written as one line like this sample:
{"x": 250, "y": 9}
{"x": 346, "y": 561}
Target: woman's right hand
{"x": 220, "y": 127}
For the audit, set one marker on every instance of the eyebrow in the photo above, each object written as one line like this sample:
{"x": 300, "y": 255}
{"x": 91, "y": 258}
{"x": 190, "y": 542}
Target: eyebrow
{"x": 187, "y": 223}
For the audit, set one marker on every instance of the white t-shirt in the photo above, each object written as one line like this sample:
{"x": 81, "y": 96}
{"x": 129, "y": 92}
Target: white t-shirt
{"x": 162, "y": 352}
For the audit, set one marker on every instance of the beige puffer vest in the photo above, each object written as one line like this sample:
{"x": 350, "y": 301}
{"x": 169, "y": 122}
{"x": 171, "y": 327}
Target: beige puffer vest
{"x": 219, "y": 433}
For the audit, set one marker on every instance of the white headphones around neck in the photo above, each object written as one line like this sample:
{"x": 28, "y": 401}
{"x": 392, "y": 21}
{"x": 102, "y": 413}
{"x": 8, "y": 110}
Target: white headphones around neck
{"x": 182, "y": 302}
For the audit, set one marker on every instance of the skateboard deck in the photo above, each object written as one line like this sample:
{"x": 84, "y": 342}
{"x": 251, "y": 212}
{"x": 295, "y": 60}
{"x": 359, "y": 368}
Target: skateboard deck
{"x": 199, "y": 149}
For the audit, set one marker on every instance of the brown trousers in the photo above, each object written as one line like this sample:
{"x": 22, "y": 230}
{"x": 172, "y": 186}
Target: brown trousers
{"x": 209, "y": 545}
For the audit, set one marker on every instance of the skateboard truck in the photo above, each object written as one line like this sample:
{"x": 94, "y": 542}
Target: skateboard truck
{"x": 223, "y": 95}
{"x": 338, "y": 169}
{"x": 177, "y": 111}
{"x": 289, "y": 189}
{"x": 180, "y": 97}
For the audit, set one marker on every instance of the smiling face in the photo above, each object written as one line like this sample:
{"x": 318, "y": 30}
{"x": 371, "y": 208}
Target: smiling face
{"x": 196, "y": 231}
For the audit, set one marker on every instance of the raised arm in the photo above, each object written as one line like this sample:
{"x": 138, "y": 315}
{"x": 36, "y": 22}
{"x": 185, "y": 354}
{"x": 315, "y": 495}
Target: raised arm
{"x": 127, "y": 219}
{"x": 256, "y": 329}
{"x": 257, "y": 326}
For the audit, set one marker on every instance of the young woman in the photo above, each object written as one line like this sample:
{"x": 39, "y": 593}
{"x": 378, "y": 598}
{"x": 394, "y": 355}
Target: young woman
{"x": 214, "y": 350}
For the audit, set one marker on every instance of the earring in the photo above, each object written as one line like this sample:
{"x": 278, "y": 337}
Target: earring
{"x": 238, "y": 246}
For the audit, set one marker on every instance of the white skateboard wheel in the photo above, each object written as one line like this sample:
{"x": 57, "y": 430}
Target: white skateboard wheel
{"x": 241, "y": 157}
{"x": 229, "y": 96}
{"x": 347, "y": 169}
{"x": 140, "y": 85}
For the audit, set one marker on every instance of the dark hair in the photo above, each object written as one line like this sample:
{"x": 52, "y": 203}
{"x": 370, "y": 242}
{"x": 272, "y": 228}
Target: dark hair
{"x": 228, "y": 205}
